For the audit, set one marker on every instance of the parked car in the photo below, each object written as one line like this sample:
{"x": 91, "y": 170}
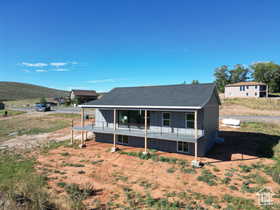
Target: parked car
{"x": 42, "y": 107}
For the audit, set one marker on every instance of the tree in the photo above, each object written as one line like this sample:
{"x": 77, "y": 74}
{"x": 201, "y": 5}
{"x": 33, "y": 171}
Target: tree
{"x": 239, "y": 74}
{"x": 43, "y": 100}
{"x": 222, "y": 77}
{"x": 195, "y": 82}
{"x": 268, "y": 73}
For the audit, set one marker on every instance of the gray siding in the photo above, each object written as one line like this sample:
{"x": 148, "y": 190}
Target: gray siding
{"x": 158, "y": 144}
{"x": 211, "y": 123}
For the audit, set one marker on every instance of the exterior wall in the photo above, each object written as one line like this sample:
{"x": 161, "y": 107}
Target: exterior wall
{"x": 211, "y": 124}
{"x": 158, "y": 144}
{"x": 208, "y": 120}
{"x": 250, "y": 91}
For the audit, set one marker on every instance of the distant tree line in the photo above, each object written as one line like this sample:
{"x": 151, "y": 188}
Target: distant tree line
{"x": 266, "y": 72}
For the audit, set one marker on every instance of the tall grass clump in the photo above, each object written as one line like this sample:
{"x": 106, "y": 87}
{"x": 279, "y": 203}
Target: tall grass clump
{"x": 20, "y": 186}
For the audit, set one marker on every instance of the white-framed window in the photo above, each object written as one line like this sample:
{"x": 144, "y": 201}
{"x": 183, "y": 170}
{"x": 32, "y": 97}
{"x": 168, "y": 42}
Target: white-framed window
{"x": 256, "y": 87}
{"x": 189, "y": 120}
{"x": 183, "y": 147}
{"x": 247, "y": 87}
{"x": 166, "y": 121}
{"x": 122, "y": 139}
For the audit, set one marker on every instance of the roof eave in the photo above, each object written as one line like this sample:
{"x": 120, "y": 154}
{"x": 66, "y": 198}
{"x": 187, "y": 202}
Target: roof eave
{"x": 139, "y": 106}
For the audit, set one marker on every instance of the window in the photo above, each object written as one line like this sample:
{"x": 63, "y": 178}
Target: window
{"x": 166, "y": 119}
{"x": 247, "y": 87}
{"x": 182, "y": 147}
{"x": 242, "y": 88}
{"x": 189, "y": 119}
{"x": 246, "y": 94}
{"x": 256, "y": 87}
{"x": 256, "y": 94}
{"x": 122, "y": 139}
{"x": 132, "y": 118}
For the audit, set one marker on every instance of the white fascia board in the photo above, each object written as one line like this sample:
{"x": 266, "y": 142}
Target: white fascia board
{"x": 140, "y": 107}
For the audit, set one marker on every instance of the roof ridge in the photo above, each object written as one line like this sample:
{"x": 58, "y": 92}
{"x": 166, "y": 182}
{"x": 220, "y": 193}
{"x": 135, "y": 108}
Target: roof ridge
{"x": 144, "y": 86}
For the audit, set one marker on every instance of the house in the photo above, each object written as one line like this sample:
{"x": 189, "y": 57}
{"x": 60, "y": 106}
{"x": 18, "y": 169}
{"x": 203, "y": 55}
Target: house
{"x": 173, "y": 118}
{"x": 246, "y": 89}
{"x": 2, "y": 105}
{"x": 83, "y": 96}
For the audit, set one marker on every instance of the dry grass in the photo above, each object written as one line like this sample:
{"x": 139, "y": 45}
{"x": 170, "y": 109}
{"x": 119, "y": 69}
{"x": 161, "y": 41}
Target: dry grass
{"x": 10, "y": 113}
{"x": 254, "y": 103}
{"x": 30, "y": 125}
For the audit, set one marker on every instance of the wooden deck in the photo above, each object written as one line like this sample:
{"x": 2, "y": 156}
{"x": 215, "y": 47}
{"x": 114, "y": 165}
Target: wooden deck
{"x": 140, "y": 133}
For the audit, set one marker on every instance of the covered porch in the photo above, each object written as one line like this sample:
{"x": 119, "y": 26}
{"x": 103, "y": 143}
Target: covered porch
{"x": 127, "y": 123}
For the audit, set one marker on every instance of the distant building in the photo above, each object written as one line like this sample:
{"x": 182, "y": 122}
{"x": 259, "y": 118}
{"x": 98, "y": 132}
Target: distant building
{"x": 246, "y": 90}
{"x": 83, "y": 96}
{"x": 2, "y": 105}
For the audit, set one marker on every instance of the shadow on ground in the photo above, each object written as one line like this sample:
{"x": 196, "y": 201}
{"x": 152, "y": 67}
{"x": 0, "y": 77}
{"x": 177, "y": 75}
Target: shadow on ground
{"x": 254, "y": 145}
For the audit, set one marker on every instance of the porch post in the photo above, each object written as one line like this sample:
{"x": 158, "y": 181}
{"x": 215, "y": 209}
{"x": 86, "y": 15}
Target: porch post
{"x": 115, "y": 126}
{"x": 82, "y": 126}
{"x": 195, "y": 134}
{"x": 72, "y": 132}
{"x": 146, "y": 139}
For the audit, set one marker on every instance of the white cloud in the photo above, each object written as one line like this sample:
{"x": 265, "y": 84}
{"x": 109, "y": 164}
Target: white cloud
{"x": 61, "y": 70}
{"x": 34, "y": 64}
{"x": 41, "y": 70}
{"x": 102, "y": 81}
{"x": 74, "y": 62}
{"x": 78, "y": 88}
{"x": 58, "y": 64}
{"x": 26, "y": 70}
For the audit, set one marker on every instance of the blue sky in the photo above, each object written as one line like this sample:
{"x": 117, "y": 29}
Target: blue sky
{"x": 99, "y": 45}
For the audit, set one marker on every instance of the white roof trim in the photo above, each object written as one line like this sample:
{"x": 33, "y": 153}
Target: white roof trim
{"x": 141, "y": 107}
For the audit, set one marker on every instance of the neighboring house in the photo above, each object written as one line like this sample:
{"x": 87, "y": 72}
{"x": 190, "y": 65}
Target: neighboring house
{"x": 2, "y": 105}
{"x": 83, "y": 96}
{"x": 246, "y": 89}
{"x": 172, "y": 118}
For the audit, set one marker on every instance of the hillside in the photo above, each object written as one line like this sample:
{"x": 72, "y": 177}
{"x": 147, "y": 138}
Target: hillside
{"x": 16, "y": 91}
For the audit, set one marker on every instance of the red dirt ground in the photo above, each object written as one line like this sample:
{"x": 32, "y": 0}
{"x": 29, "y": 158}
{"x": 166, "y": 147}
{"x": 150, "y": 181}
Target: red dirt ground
{"x": 119, "y": 170}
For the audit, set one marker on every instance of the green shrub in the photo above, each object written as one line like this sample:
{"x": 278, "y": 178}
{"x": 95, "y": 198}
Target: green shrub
{"x": 74, "y": 164}
{"x": 96, "y": 162}
{"x": 226, "y": 180}
{"x": 171, "y": 170}
{"x": 207, "y": 177}
{"x": 76, "y": 192}
{"x": 65, "y": 154}
{"x": 232, "y": 187}
{"x": 245, "y": 168}
{"x": 61, "y": 184}
{"x": 188, "y": 170}
{"x": 275, "y": 172}
{"x": 81, "y": 172}
{"x": 239, "y": 203}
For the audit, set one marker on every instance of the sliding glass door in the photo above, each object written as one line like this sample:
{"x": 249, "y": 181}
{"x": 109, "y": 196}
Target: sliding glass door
{"x": 133, "y": 118}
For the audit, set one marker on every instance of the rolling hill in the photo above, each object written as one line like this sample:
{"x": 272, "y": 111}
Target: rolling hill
{"x": 17, "y": 91}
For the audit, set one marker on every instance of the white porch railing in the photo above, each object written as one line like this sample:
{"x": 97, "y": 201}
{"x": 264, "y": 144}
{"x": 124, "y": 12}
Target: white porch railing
{"x": 103, "y": 125}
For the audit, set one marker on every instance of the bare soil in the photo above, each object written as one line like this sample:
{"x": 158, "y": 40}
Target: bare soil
{"x": 110, "y": 172}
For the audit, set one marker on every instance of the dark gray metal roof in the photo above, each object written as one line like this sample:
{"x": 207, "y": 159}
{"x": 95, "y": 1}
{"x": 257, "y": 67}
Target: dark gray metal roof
{"x": 183, "y": 95}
